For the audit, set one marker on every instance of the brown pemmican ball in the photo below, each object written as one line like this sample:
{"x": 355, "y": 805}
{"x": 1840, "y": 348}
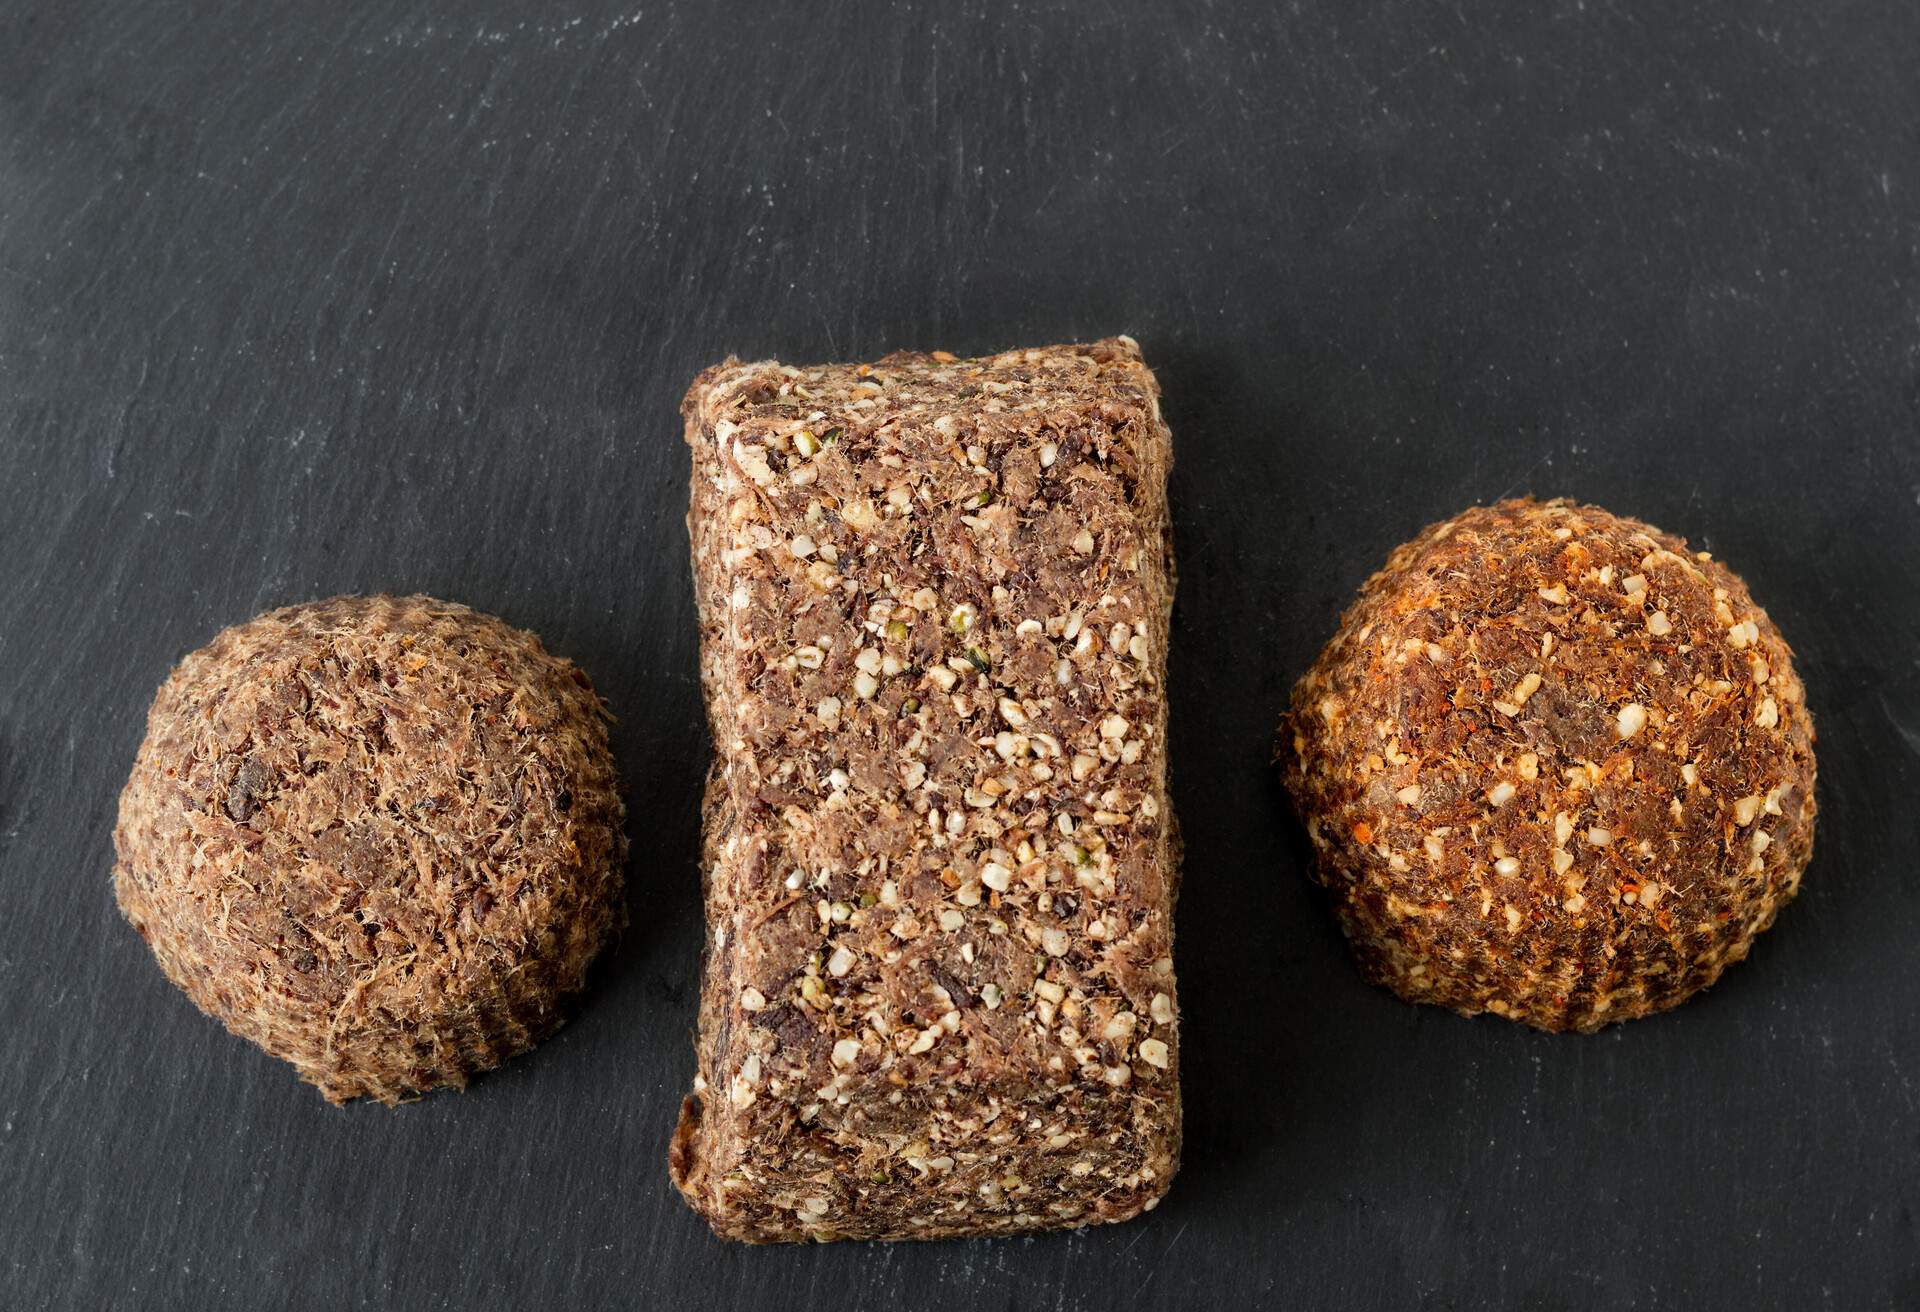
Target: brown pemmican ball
{"x": 1555, "y": 766}
{"x": 380, "y": 837}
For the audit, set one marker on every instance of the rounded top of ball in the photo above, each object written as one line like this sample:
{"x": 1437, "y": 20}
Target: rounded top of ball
{"x": 1555, "y": 764}
{"x": 379, "y": 836}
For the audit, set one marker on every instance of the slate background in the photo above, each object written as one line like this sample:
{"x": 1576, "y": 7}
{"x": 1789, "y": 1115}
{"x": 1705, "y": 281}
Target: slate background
{"x": 298, "y": 299}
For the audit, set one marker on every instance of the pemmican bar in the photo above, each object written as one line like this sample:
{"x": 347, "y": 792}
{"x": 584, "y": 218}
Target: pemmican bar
{"x": 940, "y": 862}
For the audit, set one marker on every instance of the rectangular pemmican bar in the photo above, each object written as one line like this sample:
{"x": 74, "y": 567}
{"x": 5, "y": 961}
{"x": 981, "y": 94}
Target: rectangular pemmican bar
{"x": 939, "y": 862}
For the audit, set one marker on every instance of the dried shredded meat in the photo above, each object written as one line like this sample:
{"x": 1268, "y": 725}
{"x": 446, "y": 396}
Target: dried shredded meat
{"x": 940, "y": 863}
{"x": 1555, "y": 765}
{"x": 380, "y": 837}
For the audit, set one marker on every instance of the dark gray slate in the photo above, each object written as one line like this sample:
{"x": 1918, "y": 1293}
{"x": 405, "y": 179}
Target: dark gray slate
{"x": 301, "y": 298}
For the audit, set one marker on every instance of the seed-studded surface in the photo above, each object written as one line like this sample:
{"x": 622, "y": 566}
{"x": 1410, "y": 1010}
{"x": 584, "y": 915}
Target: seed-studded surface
{"x": 1556, "y": 767}
{"x": 940, "y": 865}
{"x": 380, "y": 837}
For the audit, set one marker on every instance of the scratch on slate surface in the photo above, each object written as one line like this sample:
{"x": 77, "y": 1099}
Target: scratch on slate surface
{"x": 1164, "y": 1254}
{"x": 1908, "y": 734}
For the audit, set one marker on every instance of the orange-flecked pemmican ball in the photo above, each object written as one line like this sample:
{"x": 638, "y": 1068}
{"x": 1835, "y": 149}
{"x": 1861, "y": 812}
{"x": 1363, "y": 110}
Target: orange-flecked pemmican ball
{"x": 380, "y": 837}
{"x": 1555, "y": 766}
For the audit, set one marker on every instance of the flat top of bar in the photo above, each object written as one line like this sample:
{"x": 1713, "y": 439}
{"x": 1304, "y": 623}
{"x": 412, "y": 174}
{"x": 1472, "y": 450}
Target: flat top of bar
{"x": 909, "y": 383}
{"x": 936, "y": 595}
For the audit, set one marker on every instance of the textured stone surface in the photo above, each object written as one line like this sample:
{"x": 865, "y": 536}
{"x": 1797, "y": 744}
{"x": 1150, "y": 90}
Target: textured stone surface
{"x": 402, "y": 296}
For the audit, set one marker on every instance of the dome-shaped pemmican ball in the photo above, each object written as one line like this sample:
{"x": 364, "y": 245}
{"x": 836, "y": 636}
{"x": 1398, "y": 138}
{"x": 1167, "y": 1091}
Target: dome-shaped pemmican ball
{"x": 1555, "y": 766}
{"x": 380, "y": 837}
